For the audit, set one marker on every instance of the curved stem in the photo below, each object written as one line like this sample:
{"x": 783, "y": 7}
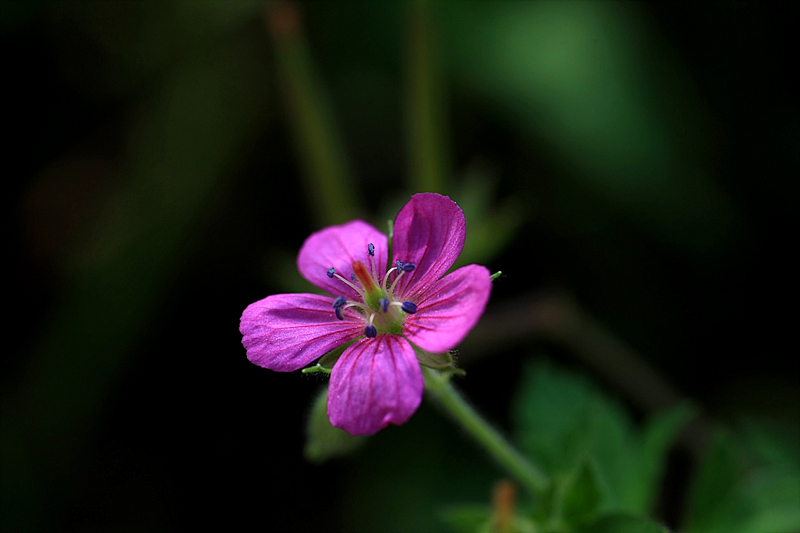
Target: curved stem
{"x": 439, "y": 387}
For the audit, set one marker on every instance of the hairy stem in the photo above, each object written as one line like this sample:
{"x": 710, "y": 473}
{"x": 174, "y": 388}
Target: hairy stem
{"x": 438, "y": 386}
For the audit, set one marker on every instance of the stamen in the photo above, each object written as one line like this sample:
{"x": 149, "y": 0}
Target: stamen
{"x": 371, "y": 252}
{"x": 371, "y": 332}
{"x": 386, "y": 278}
{"x": 359, "y": 291}
{"x": 391, "y": 289}
{"x": 338, "y": 302}
{"x": 409, "y": 267}
{"x": 331, "y": 272}
{"x": 338, "y": 311}
{"x": 353, "y": 277}
{"x": 399, "y": 265}
{"x": 409, "y": 307}
{"x": 384, "y": 303}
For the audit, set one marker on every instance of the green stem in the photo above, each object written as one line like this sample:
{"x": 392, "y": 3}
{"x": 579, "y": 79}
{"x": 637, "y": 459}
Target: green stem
{"x": 427, "y": 133}
{"x": 317, "y": 139}
{"x": 438, "y": 386}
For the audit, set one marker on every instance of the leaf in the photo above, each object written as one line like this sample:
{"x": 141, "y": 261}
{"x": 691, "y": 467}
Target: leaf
{"x": 467, "y": 518}
{"x": 624, "y": 524}
{"x": 323, "y": 440}
{"x": 658, "y": 434}
{"x": 582, "y": 496}
{"x": 549, "y": 415}
{"x": 747, "y": 485}
{"x": 492, "y": 224}
{"x": 569, "y": 75}
{"x": 561, "y": 419}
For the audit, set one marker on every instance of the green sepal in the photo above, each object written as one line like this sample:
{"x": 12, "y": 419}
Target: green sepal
{"x": 326, "y": 362}
{"x": 323, "y": 441}
{"x": 438, "y": 361}
{"x": 496, "y": 275}
{"x": 316, "y": 368}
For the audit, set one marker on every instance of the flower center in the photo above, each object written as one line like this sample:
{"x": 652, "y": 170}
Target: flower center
{"x": 380, "y": 309}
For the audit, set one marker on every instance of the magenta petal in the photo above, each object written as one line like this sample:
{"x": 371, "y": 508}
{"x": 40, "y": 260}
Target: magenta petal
{"x": 449, "y": 309}
{"x": 376, "y": 382}
{"x": 429, "y": 232}
{"x": 286, "y": 332}
{"x": 339, "y": 247}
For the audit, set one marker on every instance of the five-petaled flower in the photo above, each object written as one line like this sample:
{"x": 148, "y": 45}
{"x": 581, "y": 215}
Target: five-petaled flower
{"x": 391, "y": 314}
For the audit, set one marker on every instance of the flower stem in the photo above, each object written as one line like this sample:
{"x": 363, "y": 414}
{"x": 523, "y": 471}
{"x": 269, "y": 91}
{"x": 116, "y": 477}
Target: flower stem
{"x": 439, "y": 387}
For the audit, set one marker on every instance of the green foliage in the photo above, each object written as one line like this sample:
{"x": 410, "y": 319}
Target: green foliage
{"x": 599, "y": 462}
{"x": 570, "y": 74}
{"x": 563, "y": 422}
{"x": 748, "y": 485}
{"x": 323, "y": 440}
{"x": 481, "y": 519}
{"x": 492, "y": 224}
{"x": 582, "y": 496}
{"x": 624, "y": 524}
{"x": 468, "y": 518}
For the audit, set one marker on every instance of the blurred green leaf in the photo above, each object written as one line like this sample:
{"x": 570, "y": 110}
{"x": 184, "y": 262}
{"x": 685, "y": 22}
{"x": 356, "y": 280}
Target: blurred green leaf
{"x": 490, "y": 226}
{"x": 561, "y": 420}
{"x": 572, "y": 74}
{"x": 748, "y": 485}
{"x": 712, "y": 505}
{"x": 657, "y": 435}
{"x": 624, "y": 524}
{"x": 582, "y": 496}
{"x": 552, "y": 417}
{"x": 323, "y": 441}
{"x": 467, "y": 518}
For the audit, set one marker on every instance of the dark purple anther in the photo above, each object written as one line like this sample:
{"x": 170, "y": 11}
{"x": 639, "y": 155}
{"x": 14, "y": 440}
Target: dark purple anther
{"x": 371, "y": 332}
{"x": 399, "y": 265}
{"x": 353, "y": 277}
{"x": 371, "y": 249}
{"x": 338, "y": 311}
{"x": 409, "y": 307}
{"x": 331, "y": 271}
{"x": 384, "y": 303}
{"x": 409, "y": 267}
{"x": 339, "y": 301}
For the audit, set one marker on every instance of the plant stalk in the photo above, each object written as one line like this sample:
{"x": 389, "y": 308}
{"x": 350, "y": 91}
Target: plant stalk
{"x": 530, "y": 476}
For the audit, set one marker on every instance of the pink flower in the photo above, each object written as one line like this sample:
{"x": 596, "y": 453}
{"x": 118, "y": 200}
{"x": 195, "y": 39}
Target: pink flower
{"x": 390, "y": 313}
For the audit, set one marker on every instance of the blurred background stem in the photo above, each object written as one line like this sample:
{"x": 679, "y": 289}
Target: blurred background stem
{"x": 438, "y": 386}
{"x": 429, "y": 161}
{"x": 325, "y": 172}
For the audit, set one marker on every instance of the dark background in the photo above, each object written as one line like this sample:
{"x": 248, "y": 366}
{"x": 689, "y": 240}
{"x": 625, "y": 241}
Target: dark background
{"x": 142, "y": 218}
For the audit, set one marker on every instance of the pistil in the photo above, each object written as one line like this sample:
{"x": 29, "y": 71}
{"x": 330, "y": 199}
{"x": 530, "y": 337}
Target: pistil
{"x": 381, "y": 312}
{"x": 373, "y": 293}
